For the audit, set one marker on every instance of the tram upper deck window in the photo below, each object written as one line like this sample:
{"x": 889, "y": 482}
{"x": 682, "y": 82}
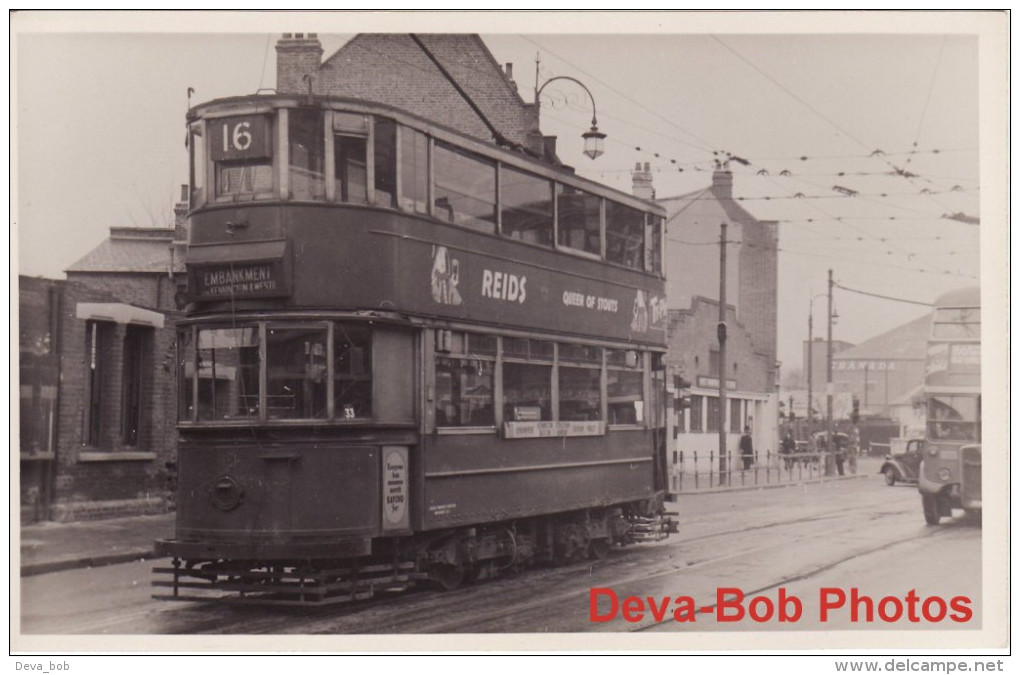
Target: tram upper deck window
{"x": 241, "y": 150}
{"x": 580, "y": 220}
{"x": 350, "y": 157}
{"x": 957, "y": 322}
{"x": 414, "y": 171}
{"x": 385, "y": 150}
{"x": 653, "y": 244}
{"x": 227, "y": 368}
{"x": 465, "y": 189}
{"x": 296, "y": 373}
{"x": 307, "y": 154}
{"x": 625, "y": 235}
{"x": 526, "y": 208}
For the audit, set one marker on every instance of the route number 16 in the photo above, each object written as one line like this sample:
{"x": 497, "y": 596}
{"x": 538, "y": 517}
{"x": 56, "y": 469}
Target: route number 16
{"x": 237, "y": 140}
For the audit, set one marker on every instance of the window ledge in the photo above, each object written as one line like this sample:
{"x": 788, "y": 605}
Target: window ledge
{"x": 113, "y": 456}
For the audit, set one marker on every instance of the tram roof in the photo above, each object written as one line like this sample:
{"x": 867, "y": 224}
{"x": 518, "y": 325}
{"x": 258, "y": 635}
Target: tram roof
{"x": 962, "y": 297}
{"x": 252, "y": 104}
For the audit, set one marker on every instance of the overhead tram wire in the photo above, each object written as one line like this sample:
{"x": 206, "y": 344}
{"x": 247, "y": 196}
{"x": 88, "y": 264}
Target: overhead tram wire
{"x": 883, "y": 297}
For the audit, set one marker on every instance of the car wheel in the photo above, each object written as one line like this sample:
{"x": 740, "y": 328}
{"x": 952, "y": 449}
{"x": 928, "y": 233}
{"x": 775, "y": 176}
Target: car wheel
{"x": 931, "y": 509}
{"x": 890, "y": 475}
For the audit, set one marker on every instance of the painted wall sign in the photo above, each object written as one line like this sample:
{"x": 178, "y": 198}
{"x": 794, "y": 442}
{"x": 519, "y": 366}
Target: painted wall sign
{"x": 394, "y": 488}
{"x": 848, "y": 365}
{"x": 552, "y": 429}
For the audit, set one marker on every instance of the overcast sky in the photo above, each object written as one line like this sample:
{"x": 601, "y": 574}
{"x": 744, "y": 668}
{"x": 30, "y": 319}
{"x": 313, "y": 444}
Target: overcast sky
{"x": 858, "y": 136}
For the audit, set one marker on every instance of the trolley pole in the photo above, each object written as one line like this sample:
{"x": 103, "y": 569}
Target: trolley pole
{"x": 828, "y": 384}
{"x": 721, "y": 334}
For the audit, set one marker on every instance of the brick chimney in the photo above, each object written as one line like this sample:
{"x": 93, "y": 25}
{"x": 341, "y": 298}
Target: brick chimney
{"x": 297, "y": 54}
{"x": 181, "y": 215}
{"x": 641, "y": 181}
{"x": 510, "y": 75}
{"x": 722, "y": 183}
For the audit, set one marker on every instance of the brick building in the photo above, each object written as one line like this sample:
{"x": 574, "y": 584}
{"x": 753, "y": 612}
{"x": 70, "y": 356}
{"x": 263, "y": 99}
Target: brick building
{"x": 692, "y": 293}
{"x": 450, "y": 79}
{"x": 97, "y": 379}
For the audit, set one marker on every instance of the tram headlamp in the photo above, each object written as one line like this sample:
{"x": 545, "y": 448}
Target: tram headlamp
{"x": 945, "y": 474}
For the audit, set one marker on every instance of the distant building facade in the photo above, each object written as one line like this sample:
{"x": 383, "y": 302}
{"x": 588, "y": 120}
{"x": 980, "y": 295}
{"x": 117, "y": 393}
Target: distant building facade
{"x": 692, "y": 284}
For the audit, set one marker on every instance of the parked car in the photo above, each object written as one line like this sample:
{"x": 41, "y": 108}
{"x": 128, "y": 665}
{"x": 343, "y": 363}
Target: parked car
{"x": 903, "y": 462}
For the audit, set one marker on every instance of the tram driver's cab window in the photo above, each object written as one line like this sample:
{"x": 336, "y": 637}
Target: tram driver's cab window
{"x": 296, "y": 373}
{"x": 227, "y": 368}
{"x": 307, "y": 158}
{"x": 352, "y": 370}
{"x": 241, "y": 150}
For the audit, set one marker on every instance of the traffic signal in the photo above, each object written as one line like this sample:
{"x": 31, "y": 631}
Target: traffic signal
{"x": 682, "y": 397}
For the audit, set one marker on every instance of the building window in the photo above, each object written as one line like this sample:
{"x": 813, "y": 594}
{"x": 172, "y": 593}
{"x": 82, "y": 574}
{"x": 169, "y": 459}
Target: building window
{"x": 736, "y": 419}
{"x": 99, "y": 337}
{"x": 137, "y": 342}
{"x": 697, "y": 403}
{"x": 465, "y": 189}
{"x": 713, "y": 362}
{"x": 526, "y": 208}
{"x": 579, "y": 224}
{"x": 625, "y": 235}
{"x": 713, "y": 421}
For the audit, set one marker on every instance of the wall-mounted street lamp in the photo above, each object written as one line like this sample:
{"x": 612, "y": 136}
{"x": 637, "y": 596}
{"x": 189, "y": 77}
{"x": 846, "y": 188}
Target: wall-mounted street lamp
{"x": 593, "y": 138}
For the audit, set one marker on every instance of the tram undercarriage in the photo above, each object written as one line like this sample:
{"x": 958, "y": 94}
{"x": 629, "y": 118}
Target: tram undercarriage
{"x": 446, "y": 559}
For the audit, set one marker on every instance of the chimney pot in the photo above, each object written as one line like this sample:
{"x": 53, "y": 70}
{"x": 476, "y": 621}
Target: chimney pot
{"x": 646, "y": 166}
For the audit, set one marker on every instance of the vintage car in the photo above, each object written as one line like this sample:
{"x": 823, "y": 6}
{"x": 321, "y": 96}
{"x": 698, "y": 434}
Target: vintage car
{"x": 903, "y": 461}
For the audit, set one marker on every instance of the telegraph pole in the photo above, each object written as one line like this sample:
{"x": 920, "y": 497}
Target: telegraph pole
{"x": 810, "y": 360}
{"x": 721, "y": 334}
{"x": 828, "y": 382}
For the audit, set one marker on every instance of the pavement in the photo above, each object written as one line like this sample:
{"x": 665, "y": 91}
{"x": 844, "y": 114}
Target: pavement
{"x": 52, "y": 547}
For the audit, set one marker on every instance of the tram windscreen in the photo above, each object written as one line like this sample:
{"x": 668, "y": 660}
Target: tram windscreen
{"x": 228, "y": 373}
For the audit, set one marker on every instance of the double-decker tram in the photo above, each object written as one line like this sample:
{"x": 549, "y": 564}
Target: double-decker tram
{"x": 407, "y": 355}
{"x": 950, "y": 474}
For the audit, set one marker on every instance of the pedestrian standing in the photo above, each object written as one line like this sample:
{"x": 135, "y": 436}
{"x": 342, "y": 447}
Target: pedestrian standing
{"x": 747, "y": 448}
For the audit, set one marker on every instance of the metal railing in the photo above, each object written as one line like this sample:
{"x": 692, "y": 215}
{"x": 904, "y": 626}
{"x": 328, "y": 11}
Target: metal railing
{"x": 701, "y": 470}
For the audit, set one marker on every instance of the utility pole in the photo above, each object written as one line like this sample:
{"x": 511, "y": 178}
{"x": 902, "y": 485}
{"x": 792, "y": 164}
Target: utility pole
{"x": 721, "y": 334}
{"x": 828, "y": 382}
{"x": 810, "y": 360}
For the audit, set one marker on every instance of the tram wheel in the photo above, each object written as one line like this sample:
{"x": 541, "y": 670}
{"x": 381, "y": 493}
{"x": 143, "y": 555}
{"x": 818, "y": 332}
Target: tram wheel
{"x": 930, "y": 505}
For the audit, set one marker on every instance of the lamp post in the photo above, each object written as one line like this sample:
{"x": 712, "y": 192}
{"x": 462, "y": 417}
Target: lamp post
{"x": 593, "y": 138}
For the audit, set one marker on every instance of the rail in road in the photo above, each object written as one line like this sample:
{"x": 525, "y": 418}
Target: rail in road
{"x": 754, "y": 540}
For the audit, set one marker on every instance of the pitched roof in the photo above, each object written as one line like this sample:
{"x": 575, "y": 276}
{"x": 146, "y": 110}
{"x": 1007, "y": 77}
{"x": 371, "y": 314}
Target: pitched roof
{"x": 137, "y": 250}
{"x": 904, "y": 342}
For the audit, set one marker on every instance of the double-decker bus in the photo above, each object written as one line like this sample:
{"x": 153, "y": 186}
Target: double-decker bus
{"x": 950, "y": 474}
{"x": 407, "y": 355}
